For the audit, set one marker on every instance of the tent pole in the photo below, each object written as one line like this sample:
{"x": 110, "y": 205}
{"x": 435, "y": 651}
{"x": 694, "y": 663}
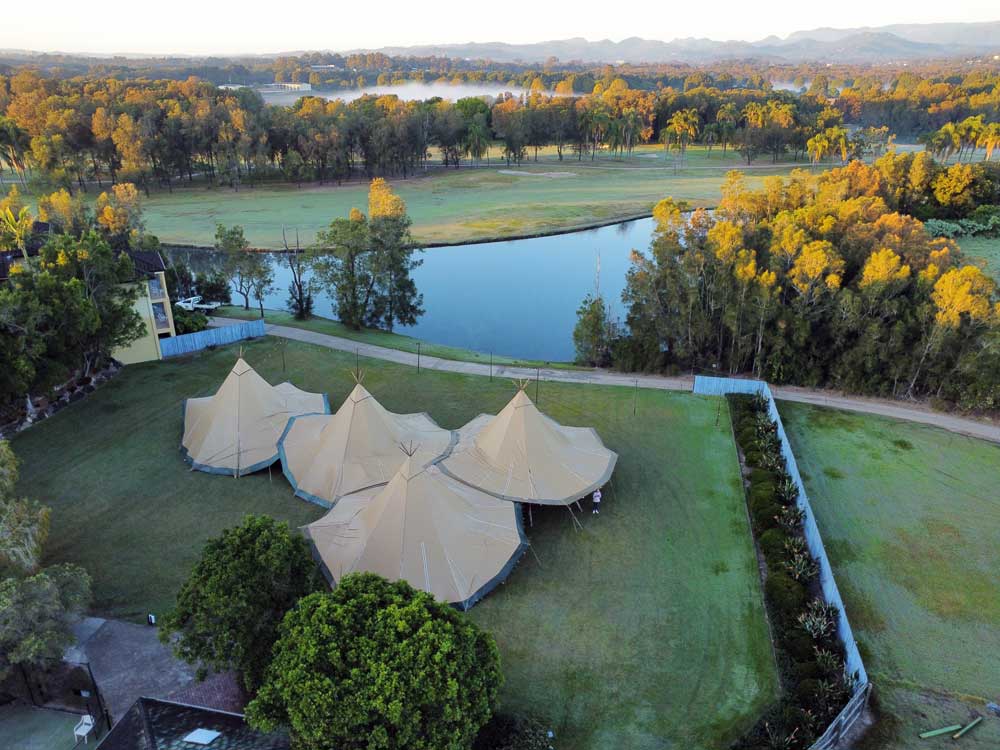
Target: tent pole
{"x": 537, "y": 558}
{"x": 573, "y": 516}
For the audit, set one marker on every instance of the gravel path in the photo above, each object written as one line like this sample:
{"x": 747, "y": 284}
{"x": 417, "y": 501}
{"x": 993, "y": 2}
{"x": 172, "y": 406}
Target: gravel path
{"x": 986, "y": 430}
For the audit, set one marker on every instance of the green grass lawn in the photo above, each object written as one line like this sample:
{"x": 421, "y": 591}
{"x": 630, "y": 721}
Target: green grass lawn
{"x": 384, "y": 338}
{"x": 910, "y": 515}
{"x": 987, "y": 248}
{"x": 459, "y": 205}
{"x": 27, "y": 728}
{"x": 643, "y": 630}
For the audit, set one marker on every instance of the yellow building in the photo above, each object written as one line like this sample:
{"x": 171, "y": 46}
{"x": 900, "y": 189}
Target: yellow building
{"x": 153, "y": 305}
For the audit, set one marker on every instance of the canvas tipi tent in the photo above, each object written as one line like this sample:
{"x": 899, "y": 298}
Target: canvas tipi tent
{"x": 441, "y": 536}
{"x": 236, "y": 431}
{"x": 328, "y": 456}
{"x": 521, "y": 454}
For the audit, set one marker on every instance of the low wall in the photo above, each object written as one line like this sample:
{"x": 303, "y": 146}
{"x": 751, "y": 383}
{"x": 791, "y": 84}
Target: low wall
{"x": 193, "y": 342}
{"x": 854, "y": 665}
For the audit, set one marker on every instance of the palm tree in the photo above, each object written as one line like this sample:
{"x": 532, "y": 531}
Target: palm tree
{"x": 818, "y": 147}
{"x": 684, "y": 125}
{"x": 989, "y": 139}
{"x": 710, "y": 135}
{"x": 727, "y": 117}
{"x": 945, "y": 141}
{"x": 14, "y": 143}
{"x": 969, "y": 131}
{"x": 16, "y": 230}
{"x": 477, "y": 139}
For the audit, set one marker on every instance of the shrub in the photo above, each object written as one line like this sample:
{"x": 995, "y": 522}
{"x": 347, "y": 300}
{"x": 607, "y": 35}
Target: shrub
{"x": 800, "y": 647}
{"x": 806, "y": 690}
{"x": 786, "y": 595}
{"x": 807, "y": 670}
{"x": 763, "y": 492}
{"x": 763, "y": 477}
{"x": 214, "y": 287}
{"x": 228, "y": 611}
{"x": 186, "y": 321}
{"x": 376, "y": 664}
{"x": 510, "y": 732}
{"x": 772, "y": 543}
{"x": 764, "y": 515}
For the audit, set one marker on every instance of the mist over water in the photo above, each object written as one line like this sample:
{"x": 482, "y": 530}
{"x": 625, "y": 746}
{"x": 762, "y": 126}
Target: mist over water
{"x": 411, "y": 91}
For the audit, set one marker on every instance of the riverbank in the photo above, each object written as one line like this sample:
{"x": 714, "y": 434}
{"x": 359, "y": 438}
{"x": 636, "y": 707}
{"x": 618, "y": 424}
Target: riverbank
{"x": 981, "y": 428}
{"x": 383, "y": 339}
{"x": 462, "y": 206}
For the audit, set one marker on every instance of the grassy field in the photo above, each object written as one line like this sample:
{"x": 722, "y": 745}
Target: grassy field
{"x": 643, "y": 630}
{"x": 27, "y": 728}
{"x": 459, "y": 205}
{"x": 911, "y": 518}
{"x": 384, "y": 338}
{"x": 987, "y": 248}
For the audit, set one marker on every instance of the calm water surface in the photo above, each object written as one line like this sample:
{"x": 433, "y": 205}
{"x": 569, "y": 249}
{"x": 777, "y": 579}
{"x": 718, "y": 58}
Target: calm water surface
{"x": 518, "y": 297}
{"x": 412, "y": 91}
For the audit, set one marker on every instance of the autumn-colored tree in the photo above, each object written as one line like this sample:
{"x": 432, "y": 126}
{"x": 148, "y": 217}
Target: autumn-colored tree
{"x": 119, "y": 214}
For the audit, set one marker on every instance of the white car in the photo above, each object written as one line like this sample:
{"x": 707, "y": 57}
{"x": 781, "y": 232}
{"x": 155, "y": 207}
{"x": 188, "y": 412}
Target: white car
{"x": 194, "y": 303}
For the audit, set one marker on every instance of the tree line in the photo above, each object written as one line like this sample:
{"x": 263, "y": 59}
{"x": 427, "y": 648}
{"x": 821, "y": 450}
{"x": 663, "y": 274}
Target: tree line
{"x": 825, "y": 280}
{"x": 71, "y": 132}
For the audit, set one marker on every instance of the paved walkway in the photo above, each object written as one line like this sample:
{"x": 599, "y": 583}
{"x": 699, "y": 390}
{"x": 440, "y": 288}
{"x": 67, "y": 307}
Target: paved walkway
{"x": 985, "y": 430}
{"x": 128, "y": 662}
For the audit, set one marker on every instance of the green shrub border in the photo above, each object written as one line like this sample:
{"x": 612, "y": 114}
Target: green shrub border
{"x": 810, "y": 657}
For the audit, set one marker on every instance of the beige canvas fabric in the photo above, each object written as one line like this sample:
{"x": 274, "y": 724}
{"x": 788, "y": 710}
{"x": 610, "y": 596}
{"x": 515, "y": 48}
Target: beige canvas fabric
{"x": 521, "y": 454}
{"x": 328, "y": 456}
{"x": 441, "y": 536}
{"x": 236, "y": 431}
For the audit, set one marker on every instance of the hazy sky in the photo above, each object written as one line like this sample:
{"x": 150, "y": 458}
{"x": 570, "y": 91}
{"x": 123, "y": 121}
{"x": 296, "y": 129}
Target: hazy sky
{"x": 207, "y": 26}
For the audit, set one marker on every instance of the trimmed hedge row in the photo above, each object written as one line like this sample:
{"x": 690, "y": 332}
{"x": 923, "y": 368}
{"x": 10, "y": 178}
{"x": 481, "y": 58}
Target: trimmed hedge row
{"x": 815, "y": 686}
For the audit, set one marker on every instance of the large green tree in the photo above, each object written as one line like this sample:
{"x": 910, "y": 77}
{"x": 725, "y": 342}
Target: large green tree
{"x": 108, "y": 280}
{"x": 592, "y": 334}
{"x": 376, "y": 665}
{"x": 366, "y": 263}
{"x": 36, "y": 614}
{"x": 227, "y": 612}
{"x": 24, "y": 524}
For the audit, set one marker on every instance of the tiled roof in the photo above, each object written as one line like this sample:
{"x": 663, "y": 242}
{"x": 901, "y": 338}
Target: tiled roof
{"x": 153, "y": 724}
{"x": 220, "y": 691}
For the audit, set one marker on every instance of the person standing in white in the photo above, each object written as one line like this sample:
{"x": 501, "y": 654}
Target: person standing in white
{"x": 597, "y": 502}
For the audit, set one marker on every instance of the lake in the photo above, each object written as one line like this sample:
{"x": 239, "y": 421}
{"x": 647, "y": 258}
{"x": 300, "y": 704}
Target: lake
{"x": 410, "y": 91}
{"x": 516, "y": 297}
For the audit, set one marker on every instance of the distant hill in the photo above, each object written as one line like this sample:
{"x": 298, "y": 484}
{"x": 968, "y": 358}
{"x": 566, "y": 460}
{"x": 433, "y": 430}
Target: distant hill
{"x": 898, "y": 42}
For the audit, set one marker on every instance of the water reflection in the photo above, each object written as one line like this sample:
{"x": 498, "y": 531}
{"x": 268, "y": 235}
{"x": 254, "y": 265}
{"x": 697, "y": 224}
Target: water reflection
{"x": 517, "y": 297}
{"x": 411, "y": 91}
